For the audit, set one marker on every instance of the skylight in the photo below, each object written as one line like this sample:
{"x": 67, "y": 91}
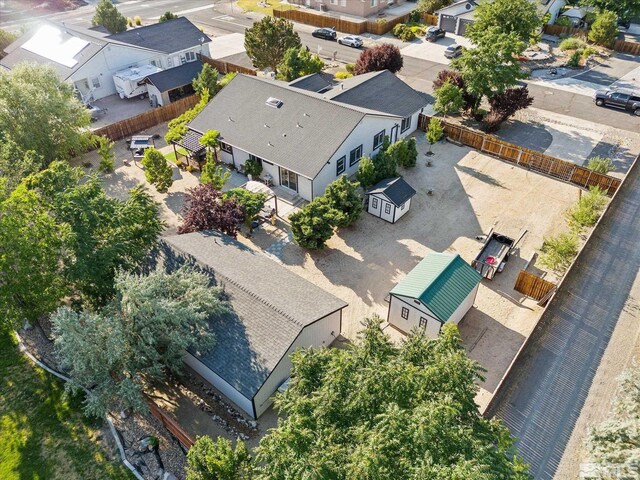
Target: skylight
{"x": 274, "y": 102}
{"x": 49, "y": 42}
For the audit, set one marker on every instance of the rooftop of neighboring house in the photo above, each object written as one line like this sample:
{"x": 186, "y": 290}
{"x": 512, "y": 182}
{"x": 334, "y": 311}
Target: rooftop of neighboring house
{"x": 397, "y": 190}
{"x": 175, "y": 77}
{"x": 268, "y": 305}
{"x": 300, "y": 129}
{"x": 441, "y": 281}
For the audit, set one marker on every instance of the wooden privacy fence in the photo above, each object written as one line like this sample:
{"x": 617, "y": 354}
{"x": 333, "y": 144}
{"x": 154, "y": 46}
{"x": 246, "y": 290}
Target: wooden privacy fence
{"x": 627, "y": 47}
{"x": 170, "y": 424}
{"x": 533, "y": 286}
{"x": 225, "y": 67}
{"x": 560, "y": 30}
{"x": 130, "y": 126}
{"x": 429, "y": 18}
{"x": 526, "y": 158}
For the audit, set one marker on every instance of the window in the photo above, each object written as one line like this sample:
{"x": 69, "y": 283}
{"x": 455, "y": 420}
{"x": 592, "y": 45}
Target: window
{"x": 95, "y": 81}
{"x": 422, "y": 323}
{"x": 374, "y": 3}
{"x": 378, "y": 139}
{"x": 341, "y": 165}
{"x": 355, "y": 155}
{"x": 402, "y": 206}
{"x": 170, "y": 62}
{"x": 387, "y": 208}
{"x": 405, "y": 313}
{"x": 191, "y": 56}
{"x": 406, "y": 124}
{"x": 374, "y": 203}
{"x": 253, "y": 157}
{"x": 226, "y": 148}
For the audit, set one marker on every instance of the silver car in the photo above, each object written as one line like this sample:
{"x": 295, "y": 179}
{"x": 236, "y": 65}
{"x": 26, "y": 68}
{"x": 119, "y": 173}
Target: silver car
{"x": 351, "y": 41}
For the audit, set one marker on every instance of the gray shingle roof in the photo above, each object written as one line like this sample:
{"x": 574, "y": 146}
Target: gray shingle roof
{"x": 301, "y": 135}
{"x": 380, "y": 91}
{"x": 170, "y": 36}
{"x": 269, "y": 305}
{"x": 314, "y": 82}
{"x": 395, "y": 189}
{"x": 175, "y": 77}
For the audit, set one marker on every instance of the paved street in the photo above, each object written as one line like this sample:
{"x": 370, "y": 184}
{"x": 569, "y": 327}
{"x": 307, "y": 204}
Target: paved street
{"x": 544, "y": 394}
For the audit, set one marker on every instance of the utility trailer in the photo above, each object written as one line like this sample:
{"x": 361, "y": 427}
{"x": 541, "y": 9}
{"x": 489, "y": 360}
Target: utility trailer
{"x": 494, "y": 254}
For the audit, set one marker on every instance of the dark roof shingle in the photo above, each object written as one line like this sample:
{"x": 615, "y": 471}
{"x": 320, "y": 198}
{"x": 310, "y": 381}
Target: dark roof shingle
{"x": 395, "y": 189}
{"x": 175, "y": 77}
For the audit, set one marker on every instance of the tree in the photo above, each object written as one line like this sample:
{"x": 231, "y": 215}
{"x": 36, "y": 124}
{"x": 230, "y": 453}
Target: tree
{"x": 366, "y": 174}
{"x": 455, "y": 78}
{"x": 32, "y": 245}
{"x": 107, "y": 157}
{"x": 211, "y": 140}
{"x": 386, "y": 165}
{"x": 106, "y": 234}
{"x": 209, "y": 460}
{"x": 625, "y": 9}
{"x": 207, "y": 209}
{"x": 604, "y": 29}
{"x": 505, "y": 16}
{"x": 6, "y": 39}
{"x": 207, "y": 79}
{"x": 214, "y": 174}
{"x": 434, "y": 132}
{"x": 298, "y": 62}
{"x": 109, "y": 17}
{"x": 166, "y": 16}
{"x": 342, "y": 196}
{"x": 448, "y": 99}
{"x": 386, "y": 412}
{"x": 380, "y": 57}
{"x": 312, "y": 226}
{"x": 141, "y": 334}
{"x": 430, "y": 6}
{"x": 253, "y": 167}
{"x": 250, "y": 202}
{"x": 267, "y": 41}
{"x": 612, "y": 444}
{"x": 404, "y": 152}
{"x": 492, "y": 66}
{"x": 15, "y": 164}
{"x": 40, "y": 113}
{"x": 156, "y": 170}
{"x": 504, "y": 105}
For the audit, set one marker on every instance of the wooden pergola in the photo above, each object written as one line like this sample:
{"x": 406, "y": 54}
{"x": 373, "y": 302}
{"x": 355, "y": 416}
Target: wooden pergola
{"x": 191, "y": 143}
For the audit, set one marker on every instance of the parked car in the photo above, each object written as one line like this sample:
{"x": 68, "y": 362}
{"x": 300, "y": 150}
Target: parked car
{"x": 454, "y": 50}
{"x": 351, "y": 41}
{"x": 624, "y": 100}
{"x": 434, "y": 33}
{"x": 326, "y": 33}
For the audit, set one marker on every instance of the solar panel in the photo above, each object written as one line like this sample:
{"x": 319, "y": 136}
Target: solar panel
{"x": 50, "y": 42}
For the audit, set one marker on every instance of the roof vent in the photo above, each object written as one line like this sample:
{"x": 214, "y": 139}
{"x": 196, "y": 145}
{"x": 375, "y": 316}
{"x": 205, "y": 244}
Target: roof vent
{"x": 274, "y": 102}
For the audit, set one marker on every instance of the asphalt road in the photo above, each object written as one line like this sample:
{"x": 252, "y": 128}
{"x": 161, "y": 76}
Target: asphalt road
{"x": 546, "y": 390}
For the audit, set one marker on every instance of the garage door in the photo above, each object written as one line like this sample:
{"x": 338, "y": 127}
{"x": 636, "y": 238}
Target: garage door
{"x": 462, "y": 26}
{"x": 448, "y": 23}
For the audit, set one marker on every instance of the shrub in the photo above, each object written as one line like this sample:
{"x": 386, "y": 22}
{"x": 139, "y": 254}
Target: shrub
{"x": 138, "y": 20}
{"x": 129, "y": 22}
{"x": 350, "y": 67}
{"x": 601, "y": 165}
{"x": 574, "y": 59}
{"x": 253, "y": 167}
{"x": 604, "y": 29}
{"x": 381, "y": 57}
{"x": 455, "y": 78}
{"x": 434, "y": 131}
{"x": 156, "y": 170}
{"x": 343, "y": 75}
{"x": 213, "y": 174}
{"x": 342, "y": 196}
{"x": 207, "y": 209}
{"x": 298, "y": 62}
{"x": 167, "y": 16}
{"x": 178, "y": 126}
{"x": 404, "y": 32}
{"x": 312, "y": 226}
{"x": 448, "y": 99}
{"x": 492, "y": 121}
{"x": 107, "y": 157}
{"x": 504, "y": 105}
{"x": 572, "y": 43}
{"x": 207, "y": 79}
{"x": 588, "y": 209}
{"x": 564, "y": 22}
{"x": 588, "y": 51}
{"x": 558, "y": 252}
{"x": 251, "y": 202}
{"x": 404, "y": 152}
{"x": 366, "y": 174}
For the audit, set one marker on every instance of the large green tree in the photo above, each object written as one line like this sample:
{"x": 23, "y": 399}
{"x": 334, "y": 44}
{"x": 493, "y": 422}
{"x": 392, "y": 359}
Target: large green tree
{"x": 386, "y": 412}
{"x": 505, "y": 16}
{"x": 106, "y": 234}
{"x": 207, "y": 79}
{"x": 267, "y": 41}
{"x": 6, "y": 39}
{"x": 108, "y": 16}
{"x": 15, "y": 164}
{"x": 343, "y": 197}
{"x": 139, "y": 336}
{"x": 449, "y": 99}
{"x": 157, "y": 170}
{"x": 312, "y": 226}
{"x": 604, "y": 29}
{"x": 626, "y": 9}
{"x": 298, "y": 62}
{"x": 41, "y": 114}
{"x": 209, "y": 460}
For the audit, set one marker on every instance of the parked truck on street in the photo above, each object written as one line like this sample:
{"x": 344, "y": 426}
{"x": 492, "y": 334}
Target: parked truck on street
{"x": 624, "y": 100}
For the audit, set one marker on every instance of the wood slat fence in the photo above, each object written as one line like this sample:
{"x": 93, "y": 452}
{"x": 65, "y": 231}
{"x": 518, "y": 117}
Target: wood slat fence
{"x": 621, "y": 46}
{"x": 627, "y": 47}
{"x": 526, "y": 158}
{"x": 133, "y": 125}
{"x": 533, "y": 286}
{"x": 225, "y": 67}
{"x": 170, "y": 424}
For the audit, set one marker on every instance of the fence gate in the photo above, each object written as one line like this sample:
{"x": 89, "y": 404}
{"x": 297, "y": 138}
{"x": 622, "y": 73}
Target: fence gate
{"x": 533, "y": 286}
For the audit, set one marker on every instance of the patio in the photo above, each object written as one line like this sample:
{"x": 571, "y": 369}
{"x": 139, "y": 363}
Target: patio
{"x": 117, "y": 109}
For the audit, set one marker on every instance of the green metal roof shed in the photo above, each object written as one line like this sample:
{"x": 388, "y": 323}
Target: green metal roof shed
{"x": 441, "y": 281}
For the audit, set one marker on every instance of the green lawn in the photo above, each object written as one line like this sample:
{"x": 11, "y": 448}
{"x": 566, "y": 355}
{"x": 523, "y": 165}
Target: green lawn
{"x": 252, "y": 6}
{"x": 171, "y": 156}
{"x": 43, "y": 435}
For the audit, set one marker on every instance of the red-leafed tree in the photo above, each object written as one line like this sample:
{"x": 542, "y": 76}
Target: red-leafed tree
{"x": 207, "y": 209}
{"x": 382, "y": 57}
{"x": 504, "y": 105}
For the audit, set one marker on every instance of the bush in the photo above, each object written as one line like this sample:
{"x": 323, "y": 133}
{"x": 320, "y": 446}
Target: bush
{"x": 571, "y": 43}
{"x": 107, "y": 157}
{"x": 214, "y": 174}
{"x": 156, "y": 170}
{"x": 138, "y": 20}
{"x": 178, "y": 126}
{"x": 167, "y": 16}
{"x": 504, "y": 105}
{"x": 350, "y": 67}
{"x": 343, "y": 75}
{"x": 455, "y": 78}
{"x": 381, "y": 57}
{"x": 251, "y": 202}
{"x": 342, "y": 196}
{"x": 564, "y": 22}
{"x": 574, "y": 59}
{"x": 601, "y": 165}
{"x": 588, "y": 51}
{"x": 492, "y": 121}
{"x": 404, "y": 152}
{"x": 558, "y": 252}
{"x": 604, "y": 29}
{"x": 434, "y": 131}
{"x": 366, "y": 174}
{"x": 129, "y": 22}
{"x": 404, "y": 32}
{"x": 253, "y": 168}
{"x": 588, "y": 209}
{"x": 448, "y": 99}
{"x": 312, "y": 226}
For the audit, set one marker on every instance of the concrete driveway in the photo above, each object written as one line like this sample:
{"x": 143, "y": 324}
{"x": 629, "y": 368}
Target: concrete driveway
{"x": 434, "y": 51}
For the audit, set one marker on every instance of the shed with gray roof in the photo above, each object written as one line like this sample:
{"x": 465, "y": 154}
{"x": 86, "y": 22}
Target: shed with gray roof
{"x": 272, "y": 312}
{"x": 390, "y": 199}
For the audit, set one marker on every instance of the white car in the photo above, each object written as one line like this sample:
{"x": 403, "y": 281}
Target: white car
{"x": 351, "y": 41}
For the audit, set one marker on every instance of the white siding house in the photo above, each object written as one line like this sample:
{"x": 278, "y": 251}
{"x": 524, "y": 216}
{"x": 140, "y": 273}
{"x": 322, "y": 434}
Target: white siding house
{"x": 271, "y": 313}
{"x": 441, "y": 288}
{"x": 390, "y": 199}
{"x": 306, "y": 139}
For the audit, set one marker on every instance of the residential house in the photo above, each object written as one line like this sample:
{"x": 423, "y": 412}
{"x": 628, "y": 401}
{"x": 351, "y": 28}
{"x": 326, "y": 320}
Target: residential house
{"x": 88, "y": 58}
{"x": 390, "y": 199}
{"x": 441, "y": 288}
{"x": 173, "y": 83}
{"x": 358, "y": 8}
{"x": 272, "y": 312}
{"x": 307, "y": 133}
{"x": 456, "y": 17}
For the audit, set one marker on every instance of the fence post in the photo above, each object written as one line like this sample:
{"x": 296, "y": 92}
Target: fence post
{"x": 519, "y": 156}
{"x": 586, "y": 185}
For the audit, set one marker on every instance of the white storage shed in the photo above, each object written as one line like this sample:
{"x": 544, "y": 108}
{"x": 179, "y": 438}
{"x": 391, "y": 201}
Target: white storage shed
{"x": 390, "y": 199}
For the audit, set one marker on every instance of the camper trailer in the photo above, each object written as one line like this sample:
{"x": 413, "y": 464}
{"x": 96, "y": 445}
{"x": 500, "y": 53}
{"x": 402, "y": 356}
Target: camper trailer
{"x": 127, "y": 81}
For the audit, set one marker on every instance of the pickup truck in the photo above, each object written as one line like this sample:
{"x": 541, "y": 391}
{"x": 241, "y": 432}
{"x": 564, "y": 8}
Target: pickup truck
{"x": 628, "y": 101}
